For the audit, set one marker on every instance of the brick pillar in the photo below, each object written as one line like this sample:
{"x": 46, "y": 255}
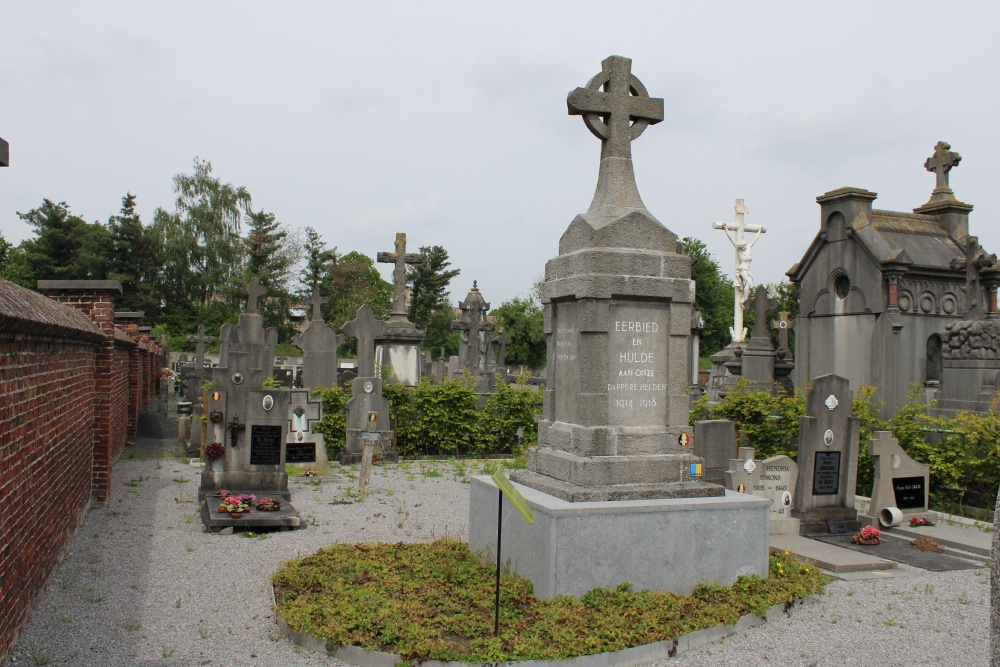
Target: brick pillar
{"x": 96, "y": 298}
{"x": 129, "y": 323}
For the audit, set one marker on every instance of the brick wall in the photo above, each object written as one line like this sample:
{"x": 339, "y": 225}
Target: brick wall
{"x": 66, "y": 378}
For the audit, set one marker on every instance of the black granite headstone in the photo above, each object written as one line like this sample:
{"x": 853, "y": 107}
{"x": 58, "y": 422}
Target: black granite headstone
{"x": 826, "y": 479}
{"x": 265, "y": 445}
{"x": 909, "y": 492}
{"x": 300, "y": 452}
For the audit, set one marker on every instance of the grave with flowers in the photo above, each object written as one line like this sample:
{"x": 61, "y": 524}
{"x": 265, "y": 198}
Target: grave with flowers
{"x": 244, "y": 483}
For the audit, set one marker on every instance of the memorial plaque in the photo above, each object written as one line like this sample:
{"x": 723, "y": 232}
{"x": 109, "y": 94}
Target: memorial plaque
{"x": 826, "y": 478}
{"x": 637, "y": 365}
{"x": 836, "y": 526}
{"x": 910, "y": 492}
{"x": 300, "y": 452}
{"x": 265, "y": 445}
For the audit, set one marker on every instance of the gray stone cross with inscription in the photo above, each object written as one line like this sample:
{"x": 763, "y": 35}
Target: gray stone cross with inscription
{"x": 616, "y": 108}
{"x": 200, "y": 339}
{"x": 975, "y": 261}
{"x": 254, "y": 291}
{"x": 366, "y": 329}
{"x": 761, "y": 304}
{"x": 317, "y": 304}
{"x": 400, "y": 258}
{"x": 783, "y": 325}
{"x": 941, "y": 163}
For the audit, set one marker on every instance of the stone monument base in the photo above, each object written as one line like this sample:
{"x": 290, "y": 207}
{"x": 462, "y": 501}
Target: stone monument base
{"x": 214, "y": 520}
{"x": 668, "y": 544}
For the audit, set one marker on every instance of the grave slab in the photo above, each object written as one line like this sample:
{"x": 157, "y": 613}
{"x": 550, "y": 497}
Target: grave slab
{"x": 831, "y": 557}
{"x": 900, "y": 551}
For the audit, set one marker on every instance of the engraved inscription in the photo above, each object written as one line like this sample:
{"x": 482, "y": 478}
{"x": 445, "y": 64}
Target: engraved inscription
{"x": 566, "y": 341}
{"x": 637, "y": 362}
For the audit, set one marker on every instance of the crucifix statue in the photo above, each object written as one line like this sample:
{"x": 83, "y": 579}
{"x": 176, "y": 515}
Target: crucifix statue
{"x": 400, "y": 258}
{"x": 975, "y": 261}
{"x": 253, "y": 291}
{"x": 941, "y": 163}
{"x": 743, "y": 281}
{"x": 366, "y": 329}
{"x": 317, "y": 304}
{"x": 616, "y": 108}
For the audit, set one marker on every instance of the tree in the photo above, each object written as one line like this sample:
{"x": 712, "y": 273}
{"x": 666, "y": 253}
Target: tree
{"x": 14, "y": 265}
{"x": 428, "y": 283}
{"x": 318, "y": 259}
{"x": 439, "y": 338}
{"x": 65, "y": 247}
{"x": 270, "y": 253}
{"x": 714, "y": 294}
{"x": 203, "y": 249}
{"x": 134, "y": 259}
{"x": 522, "y": 320}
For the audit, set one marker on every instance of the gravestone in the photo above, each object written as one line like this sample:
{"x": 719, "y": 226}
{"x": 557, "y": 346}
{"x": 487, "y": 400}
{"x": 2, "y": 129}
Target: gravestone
{"x": 397, "y": 350}
{"x": 614, "y": 421}
{"x": 368, "y": 420}
{"x": 784, "y": 363}
{"x": 755, "y": 361}
{"x": 715, "y": 442}
{"x": 774, "y": 478}
{"x": 475, "y": 330}
{"x": 900, "y": 481}
{"x": 304, "y": 449}
{"x": 828, "y": 457}
{"x": 249, "y": 421}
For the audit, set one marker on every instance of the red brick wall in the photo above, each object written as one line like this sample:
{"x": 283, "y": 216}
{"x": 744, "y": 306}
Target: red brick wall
{"x": 48, "y": 356}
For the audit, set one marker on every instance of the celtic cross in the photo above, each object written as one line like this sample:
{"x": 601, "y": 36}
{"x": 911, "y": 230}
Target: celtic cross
{"x": 254, "y": 291}
{"x": 400, "y": 258}
{"x": 616, "y": 108}
{"x": 941, "y": 163}
{"x": 782, "y": 324}
{"x": 317, "y": 304}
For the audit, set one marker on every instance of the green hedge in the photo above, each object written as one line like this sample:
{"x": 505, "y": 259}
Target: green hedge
{"x": 443, "y": 418}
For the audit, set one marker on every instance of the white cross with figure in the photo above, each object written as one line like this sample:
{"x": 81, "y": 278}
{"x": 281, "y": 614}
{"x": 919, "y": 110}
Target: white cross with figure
{"x": 736, "y": 233}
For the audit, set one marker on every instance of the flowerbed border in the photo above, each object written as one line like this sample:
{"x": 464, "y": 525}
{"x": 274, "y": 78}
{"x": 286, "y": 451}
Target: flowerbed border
{"x": 636, "y": 655}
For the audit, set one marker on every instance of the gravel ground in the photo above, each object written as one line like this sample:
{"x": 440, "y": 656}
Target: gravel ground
{"x": 144, "y": 585}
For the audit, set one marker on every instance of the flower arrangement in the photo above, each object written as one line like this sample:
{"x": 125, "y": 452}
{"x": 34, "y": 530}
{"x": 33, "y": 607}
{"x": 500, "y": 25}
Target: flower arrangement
{"x": 868, "y": 535}
{"x": 232, "y": 505}
{"x": 235, "y": 426}
{"x": 222, "y": 493}
{"x": 309, "y": 473}
{"x": 215, "y": 450}
{"x": 247, "y": 499}
{"x": 920, "y": 521}
{"x": 268, "y": 505}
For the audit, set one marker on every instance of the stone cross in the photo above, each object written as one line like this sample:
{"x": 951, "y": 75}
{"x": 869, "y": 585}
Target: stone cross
{"x": 366, "y": 329}
{"x": 317, "y": 304}
{"x": 975, "y": 261}
{"x": 502, "y": 341}
{"x": 473, "y": 322}
{"x": 616, "y": 108}
{"x": 743, "y": 282}
{"x": 761, "y": 304}
{"x": 200, "y": 339}
{"x": 400, "y": 258}
{"x": 783, "y": 325}
{"x": 941, "y": 163}
{"x": 4, "y": 153}
{"x": 253, "y": 291}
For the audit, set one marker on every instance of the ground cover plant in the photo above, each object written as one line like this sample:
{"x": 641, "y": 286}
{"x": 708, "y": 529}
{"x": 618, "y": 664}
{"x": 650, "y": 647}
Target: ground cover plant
{"x": 435, "y": 601}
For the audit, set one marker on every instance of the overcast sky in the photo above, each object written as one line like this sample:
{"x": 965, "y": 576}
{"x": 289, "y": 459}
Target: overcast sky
{"x": 447, "y": 121}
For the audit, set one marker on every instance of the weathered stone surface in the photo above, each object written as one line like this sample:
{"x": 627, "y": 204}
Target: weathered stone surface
{"x": 774, "y": 478}
{"x": 368, "y": 420}
{"x": 900, "y": 481}
{"x": 319, "y": 345}
{"x": 715, "y": 442}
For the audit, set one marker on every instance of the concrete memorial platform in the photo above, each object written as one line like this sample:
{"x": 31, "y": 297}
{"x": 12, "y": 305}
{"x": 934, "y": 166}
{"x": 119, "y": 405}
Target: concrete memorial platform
{"x": 617, "y": 489}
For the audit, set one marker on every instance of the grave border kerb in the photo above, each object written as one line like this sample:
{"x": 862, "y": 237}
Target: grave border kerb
{"x": 634, "y": 655}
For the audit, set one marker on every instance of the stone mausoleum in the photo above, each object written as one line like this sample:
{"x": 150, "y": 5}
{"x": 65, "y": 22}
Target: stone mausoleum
{"x": 877, "y": 288}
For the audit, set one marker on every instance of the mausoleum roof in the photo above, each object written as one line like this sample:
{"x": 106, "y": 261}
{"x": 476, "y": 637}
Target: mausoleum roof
{"x": 925, "y": 241}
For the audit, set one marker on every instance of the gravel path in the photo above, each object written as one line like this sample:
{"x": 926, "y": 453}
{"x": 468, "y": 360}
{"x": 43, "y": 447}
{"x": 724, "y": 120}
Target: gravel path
{"x": 144, "y": 585}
